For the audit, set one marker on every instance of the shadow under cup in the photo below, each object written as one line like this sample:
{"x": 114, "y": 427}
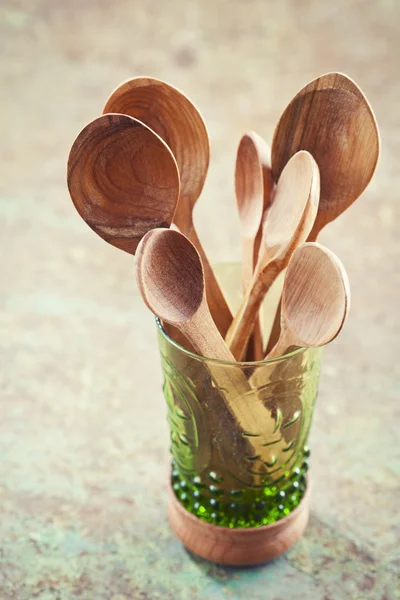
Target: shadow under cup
{"x": 248, "y": 471}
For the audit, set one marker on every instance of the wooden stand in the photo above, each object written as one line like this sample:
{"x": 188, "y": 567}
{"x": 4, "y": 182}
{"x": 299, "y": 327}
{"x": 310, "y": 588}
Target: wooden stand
{"x": 239, "y": 547}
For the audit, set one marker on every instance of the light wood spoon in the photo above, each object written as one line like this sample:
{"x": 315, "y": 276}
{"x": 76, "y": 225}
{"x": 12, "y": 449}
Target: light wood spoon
{"x": 253, "y": 184}
{"x": 177, "y": 121}
{"x": 171, "y": 281}
{"x": 332, "y": 119}
{"x": 287, "y": 224}
{"x": 123, "y": 180}
{"x": 315, "y": 299}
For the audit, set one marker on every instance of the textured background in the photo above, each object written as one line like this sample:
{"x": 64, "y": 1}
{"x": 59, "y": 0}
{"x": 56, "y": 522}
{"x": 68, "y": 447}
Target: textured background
{"x": 83, "y": 438}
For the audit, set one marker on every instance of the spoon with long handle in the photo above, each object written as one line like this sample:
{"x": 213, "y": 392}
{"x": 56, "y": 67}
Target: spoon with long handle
{"x": 287, "y": 224}
{"x": 332, "y": 119}
{"x": 177, "y": 121}
{"x": 253, "y": 185}
{"x": 171, "y": 281}
{"x": 123, "y": 180}
{"x": 315, "y": 302}
{"x": 315, "y": 299}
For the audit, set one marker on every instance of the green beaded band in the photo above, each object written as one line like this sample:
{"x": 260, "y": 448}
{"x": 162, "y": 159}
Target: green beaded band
{"x": 240, "y": 508}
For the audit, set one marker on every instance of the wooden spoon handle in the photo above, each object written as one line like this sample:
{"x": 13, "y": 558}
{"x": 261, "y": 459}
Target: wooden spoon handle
{"x": 242, "y": 325}
{"x": 276, "y": 327}
{"x": 260, "y": 375}
{"x": 248, "y": 261}
{"x": 217, "y": 304}
{"x": 314, "y": 233}
{"x": 281, "y": 345}
{"x": 255, "y": 349}
{"x": 244, "y": 404}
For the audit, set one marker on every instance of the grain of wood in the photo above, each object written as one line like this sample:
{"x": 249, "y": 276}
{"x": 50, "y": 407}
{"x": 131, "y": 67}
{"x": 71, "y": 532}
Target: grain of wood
{"x": 123, "y": 180}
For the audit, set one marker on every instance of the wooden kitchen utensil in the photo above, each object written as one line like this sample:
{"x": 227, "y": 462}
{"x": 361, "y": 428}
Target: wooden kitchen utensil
{"x": 287, "y": 225}
{"x": 315, "y": 299}
{"x": 332, "y": 119}
{"x": 123, "y": 180}
{"x": 171, "y": 281}
{"x": 175, "y": 118}
{"x": 253, "y": 184}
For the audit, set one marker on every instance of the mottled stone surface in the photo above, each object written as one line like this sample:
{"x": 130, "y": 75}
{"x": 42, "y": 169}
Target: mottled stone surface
{"x": 83, "y": 437}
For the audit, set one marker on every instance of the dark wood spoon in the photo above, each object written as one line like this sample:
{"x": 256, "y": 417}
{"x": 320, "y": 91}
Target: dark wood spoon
{"x": 123, "y": 180}
{"x": 175, "y": 118}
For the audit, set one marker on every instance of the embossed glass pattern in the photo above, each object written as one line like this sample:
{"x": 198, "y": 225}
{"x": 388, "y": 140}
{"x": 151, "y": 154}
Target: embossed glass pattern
{"x": 221, "y": 472}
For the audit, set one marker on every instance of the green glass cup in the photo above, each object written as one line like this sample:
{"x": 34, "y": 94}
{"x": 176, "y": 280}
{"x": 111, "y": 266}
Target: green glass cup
{"x": 223, "y": 473}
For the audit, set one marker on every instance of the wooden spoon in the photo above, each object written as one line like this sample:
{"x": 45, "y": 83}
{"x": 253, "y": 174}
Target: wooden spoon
{"x": 254, "y": 184}
{"x": 315, "y": 299}
{"x": 287, "y": 224}
{"x": 175, "y": 118}
{"x": 123, "y": 180}
{"x": 171, "y": 281}
{"x": 332, "y": 119}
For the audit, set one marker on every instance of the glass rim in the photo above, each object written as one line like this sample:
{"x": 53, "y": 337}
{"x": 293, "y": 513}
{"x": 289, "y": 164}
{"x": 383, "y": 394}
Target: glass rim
{"x": 257, "y": 363}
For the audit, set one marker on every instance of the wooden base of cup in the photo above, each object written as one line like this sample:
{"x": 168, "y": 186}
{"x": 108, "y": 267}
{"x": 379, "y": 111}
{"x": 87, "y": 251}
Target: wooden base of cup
{"x": 239, "y": 547}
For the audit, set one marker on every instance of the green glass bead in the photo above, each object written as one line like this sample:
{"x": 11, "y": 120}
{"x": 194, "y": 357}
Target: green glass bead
{"x": 236, "y": 493}
{"x": 215, "y": 490}
{"x": 215, "y": 477}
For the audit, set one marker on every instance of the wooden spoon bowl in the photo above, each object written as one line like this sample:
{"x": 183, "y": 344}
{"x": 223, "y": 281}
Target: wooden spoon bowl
{"x": 315, "y": 299}
{"x": 332, "y": 119}
{"x": 123, "y": 180}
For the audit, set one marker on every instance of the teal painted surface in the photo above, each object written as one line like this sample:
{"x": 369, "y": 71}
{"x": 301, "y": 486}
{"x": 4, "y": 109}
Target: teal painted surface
{"x": 83, "y": 432}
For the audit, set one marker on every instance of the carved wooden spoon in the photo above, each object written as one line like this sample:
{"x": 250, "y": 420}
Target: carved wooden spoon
{"x": 171, "y": 281}
{"x": 253, "y": 184}
{"x": 332, "y": 119}
{"x": 287, "y": 224}
{"x": 123, "y": 180}
{"x": 315, "y": 299}
{"x": 178, "y": 122}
